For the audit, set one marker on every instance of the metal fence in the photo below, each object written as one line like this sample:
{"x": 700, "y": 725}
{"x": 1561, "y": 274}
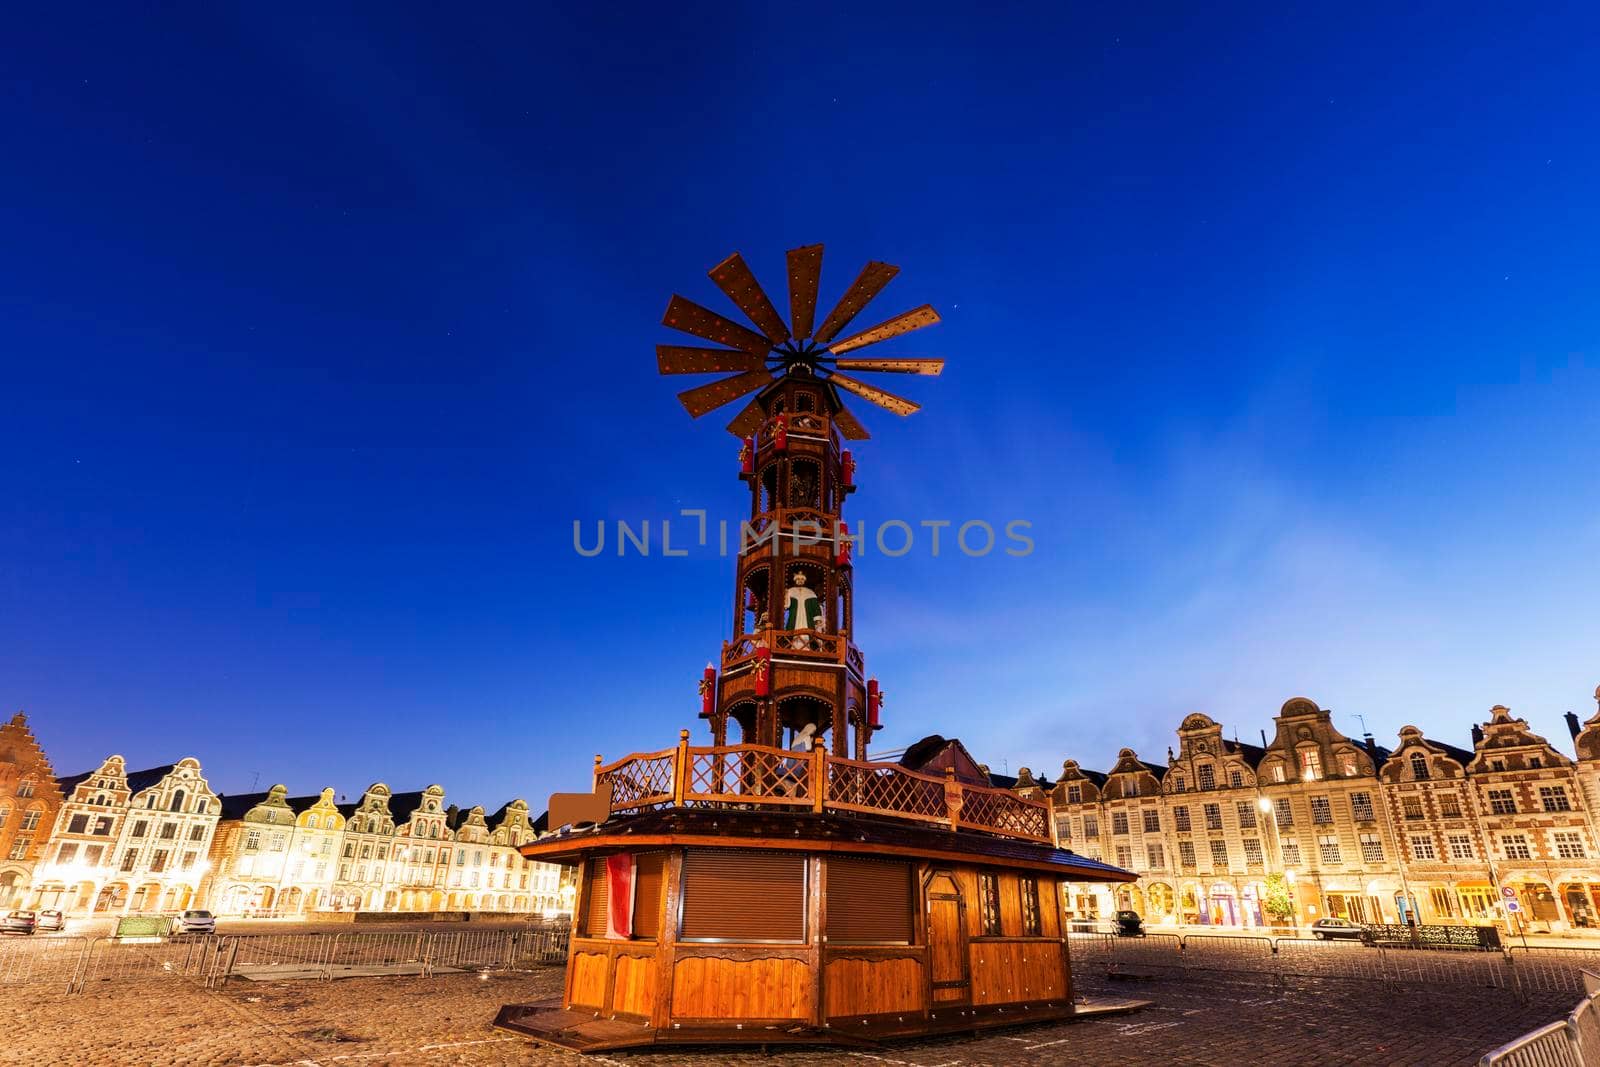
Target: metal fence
{"x": 1283, "y": 958}
{"x": 1570, "y": 1042}
{"x": 75, "y": 964}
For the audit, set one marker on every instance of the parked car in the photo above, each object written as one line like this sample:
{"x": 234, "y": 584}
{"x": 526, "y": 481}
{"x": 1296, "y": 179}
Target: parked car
{"x": 50, "y": 919}
{"x": 1327, "y": 929}
{"x": 1129, "y": 924}
{"x": 197, "y": 922}
{"x": 19, "y": 922}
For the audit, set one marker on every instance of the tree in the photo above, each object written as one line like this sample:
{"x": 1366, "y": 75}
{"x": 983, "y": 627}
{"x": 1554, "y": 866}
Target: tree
{"x": 1276, "y": 901}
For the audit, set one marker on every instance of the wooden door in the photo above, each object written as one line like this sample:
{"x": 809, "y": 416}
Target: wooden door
{"x": 948, "y": 970}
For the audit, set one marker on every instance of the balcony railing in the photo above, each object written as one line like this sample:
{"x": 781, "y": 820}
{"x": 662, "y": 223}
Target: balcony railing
{"x": 755, "y": 777}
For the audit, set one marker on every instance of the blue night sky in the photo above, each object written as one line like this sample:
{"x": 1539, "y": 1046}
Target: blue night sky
{"x": 320, "y": 329}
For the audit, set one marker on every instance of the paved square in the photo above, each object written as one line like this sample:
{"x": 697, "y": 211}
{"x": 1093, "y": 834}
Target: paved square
{"x": 445, "y": 1020}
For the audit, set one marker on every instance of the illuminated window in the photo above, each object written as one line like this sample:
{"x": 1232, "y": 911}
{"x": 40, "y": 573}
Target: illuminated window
{"x": 1371, "y": 849}
{"x": 1328, "y": 849}
{"x": 1030, "y": 907}
{"x": 989, "y": 904}
{"x": 1310, "y": 764}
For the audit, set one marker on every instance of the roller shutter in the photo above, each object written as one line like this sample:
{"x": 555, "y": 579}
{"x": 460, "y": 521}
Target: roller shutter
{"x": 743, "y": 896}
{"x": 869, "y": 901}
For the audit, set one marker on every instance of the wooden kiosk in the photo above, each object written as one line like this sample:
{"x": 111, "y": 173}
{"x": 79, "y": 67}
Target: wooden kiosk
{"x": 784, "y": 888}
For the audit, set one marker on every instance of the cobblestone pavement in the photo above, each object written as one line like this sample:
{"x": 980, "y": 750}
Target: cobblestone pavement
{"x": 445, "y": 1020}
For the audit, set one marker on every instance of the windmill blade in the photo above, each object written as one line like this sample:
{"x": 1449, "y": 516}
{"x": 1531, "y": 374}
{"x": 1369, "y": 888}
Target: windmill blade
{"x": 849, "y": 426}
{"x": 897, "y": 404}
{"x": 748, "y": 420}
{"x": 682, "y": 359}
{"x": 868, "y": 284}
{"x": 734, "y": 277}
{"x": 709, "y": 397}
{"x": 904, "y": 322}
{"x": 893, "y": 366}
{"x": 805, "y": 271}
{"x": 690, "y": 317}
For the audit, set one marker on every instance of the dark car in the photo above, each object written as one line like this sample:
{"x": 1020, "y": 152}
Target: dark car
{"x": 1129, "y": 924}
{"x": 1327, "y": 929}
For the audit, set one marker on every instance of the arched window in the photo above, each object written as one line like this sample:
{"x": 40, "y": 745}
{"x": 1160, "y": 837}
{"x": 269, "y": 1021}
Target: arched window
{"x": 25, "y": 789}
{"x": 177, "y": 801}
{"x": 1419, "y": 766}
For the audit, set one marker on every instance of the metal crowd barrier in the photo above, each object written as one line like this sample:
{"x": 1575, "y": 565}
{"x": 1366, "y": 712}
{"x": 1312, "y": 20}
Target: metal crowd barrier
{"x": 41, "y": 959}
{"x": 1570, "y": 1042}
{"x": 1283, "y": 958}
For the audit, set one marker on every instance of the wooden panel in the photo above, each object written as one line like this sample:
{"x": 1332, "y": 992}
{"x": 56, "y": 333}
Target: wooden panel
{"x": 1011, "y": 972}
{"x": 649, "y": 875}
{"x": 594, "y": 915}
{"x": 1049, "y": 906}
{"x": 709, "y": 987}
{"x": 1010, "y": 906}
{"x": 870, "y": 987}
{"x": 869, "y": 901}
{"x": 634, "y": 991}
{"x": 730, "y": 895}
{"x": 588, "y": 980}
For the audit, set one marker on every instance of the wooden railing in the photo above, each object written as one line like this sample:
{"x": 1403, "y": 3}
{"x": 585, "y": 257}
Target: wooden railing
{"x": 756, "y": 776}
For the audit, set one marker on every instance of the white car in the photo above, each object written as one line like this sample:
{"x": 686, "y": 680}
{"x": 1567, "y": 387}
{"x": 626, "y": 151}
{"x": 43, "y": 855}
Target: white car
{"x": 197, "y": 922}
{"x": 51, "y": 920}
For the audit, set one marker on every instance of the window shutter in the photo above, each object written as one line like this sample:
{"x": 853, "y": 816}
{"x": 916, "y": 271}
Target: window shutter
{"x": 594, "y": 921}
{"x": 649, "y": 874}
{"x": 869, "y": 901}
{"x": 743, "y": 896}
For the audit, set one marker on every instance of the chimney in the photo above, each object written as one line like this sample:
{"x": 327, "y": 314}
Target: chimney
{"x": 1263, "y": 739}
{"x": 1477, "y": 735}
{"x": 1372, "y": 746}
{"x": 1573, "y": 727}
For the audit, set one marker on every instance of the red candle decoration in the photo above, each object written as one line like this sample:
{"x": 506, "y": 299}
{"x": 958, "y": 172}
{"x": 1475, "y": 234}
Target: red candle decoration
{"x": 841, "y": 542}
{"x": 874, "y": 702}
{"x": 708, "y": 691}
{"x": 847, "y": 467}
{"x": 763, "y": 671}
{"x": 747, "y": 455}
{"x": 780, "y": 433}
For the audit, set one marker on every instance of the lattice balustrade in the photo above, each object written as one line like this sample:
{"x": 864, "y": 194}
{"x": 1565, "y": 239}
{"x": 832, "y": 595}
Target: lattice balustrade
{"x": 640, "y": 782}
{"x": 807, "y": 642}
{"x": 1003, "y": 812}
{"x": 884, "y": 788}
{"x": 747, "y": 774}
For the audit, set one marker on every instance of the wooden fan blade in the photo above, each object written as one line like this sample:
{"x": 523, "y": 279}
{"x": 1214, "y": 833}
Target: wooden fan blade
{"x": 904, "y": 322}
{"x": 897, "y": 404}
{"x": 893, "y": 366}
{"x": 747, "y": 421}
{"x": 690, "y": 317}
{"x": 681, "y": 359}
{"x": 734, "y": 277}
{"x": 849, "y": 426}
{"x": 868, "y": 284}
{"x": 805, "y": 272}
{"x": 709, "y": 397}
